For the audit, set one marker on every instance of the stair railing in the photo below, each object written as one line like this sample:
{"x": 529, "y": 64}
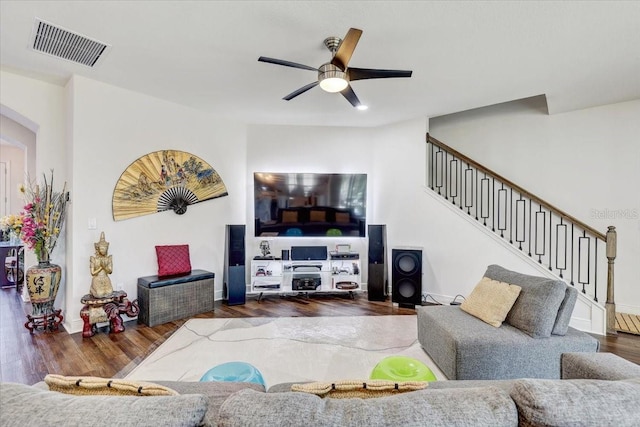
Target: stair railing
{"x": 549, "y": 236}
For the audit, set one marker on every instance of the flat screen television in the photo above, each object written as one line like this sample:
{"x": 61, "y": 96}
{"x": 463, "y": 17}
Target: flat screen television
{"x": 310, "y": 204}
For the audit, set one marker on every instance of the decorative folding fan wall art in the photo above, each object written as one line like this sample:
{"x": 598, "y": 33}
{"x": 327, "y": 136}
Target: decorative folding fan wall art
{"x": 163, "y": 180}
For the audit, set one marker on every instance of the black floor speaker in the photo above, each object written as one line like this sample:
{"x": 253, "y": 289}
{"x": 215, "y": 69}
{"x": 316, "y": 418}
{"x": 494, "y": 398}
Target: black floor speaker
{"x": 378, "y": 276}
{"x": 406, "y": 277}
{"x": 234, "y": 282}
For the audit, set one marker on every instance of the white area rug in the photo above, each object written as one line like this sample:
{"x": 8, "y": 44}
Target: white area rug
{"x": 285, "y": 349}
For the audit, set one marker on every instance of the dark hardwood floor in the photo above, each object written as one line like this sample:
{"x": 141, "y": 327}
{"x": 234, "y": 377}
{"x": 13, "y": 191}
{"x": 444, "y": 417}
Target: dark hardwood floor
{"x": 26, "y": 358}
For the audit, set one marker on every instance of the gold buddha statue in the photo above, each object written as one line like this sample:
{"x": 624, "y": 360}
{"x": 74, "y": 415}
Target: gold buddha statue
{"x": 101, "y": 265}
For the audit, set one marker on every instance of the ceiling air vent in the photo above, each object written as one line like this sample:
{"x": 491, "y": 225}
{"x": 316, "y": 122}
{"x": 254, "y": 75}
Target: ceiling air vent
{"x": 59, "y": 42}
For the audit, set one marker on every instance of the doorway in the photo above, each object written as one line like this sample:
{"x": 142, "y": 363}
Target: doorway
{"x": 5, "y": 203}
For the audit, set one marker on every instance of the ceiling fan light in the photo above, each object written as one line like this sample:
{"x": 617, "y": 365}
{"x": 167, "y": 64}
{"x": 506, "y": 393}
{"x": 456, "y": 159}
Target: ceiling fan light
{"x": 332, "y": 79}
{"x": 333, "y": 84}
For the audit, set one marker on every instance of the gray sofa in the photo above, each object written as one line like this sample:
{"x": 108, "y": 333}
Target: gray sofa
{"x": 528, "y": 344}
{"x": 597, "y": 389}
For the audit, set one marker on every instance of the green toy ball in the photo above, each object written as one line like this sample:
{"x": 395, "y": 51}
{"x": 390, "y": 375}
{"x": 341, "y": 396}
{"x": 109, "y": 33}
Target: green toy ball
{"x": 402, "y": 368}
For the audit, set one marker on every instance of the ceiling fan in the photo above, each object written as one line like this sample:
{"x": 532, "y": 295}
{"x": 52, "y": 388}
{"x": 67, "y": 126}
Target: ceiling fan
{"x": 335, "y": 75}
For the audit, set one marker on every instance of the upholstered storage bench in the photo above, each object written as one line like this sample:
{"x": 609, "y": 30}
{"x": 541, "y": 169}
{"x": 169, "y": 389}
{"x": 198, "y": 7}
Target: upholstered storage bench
{"x": 163, "y": 299}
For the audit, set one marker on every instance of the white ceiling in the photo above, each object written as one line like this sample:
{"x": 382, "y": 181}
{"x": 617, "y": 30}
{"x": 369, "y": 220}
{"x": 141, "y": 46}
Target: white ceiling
{"x": 464, "y": 55}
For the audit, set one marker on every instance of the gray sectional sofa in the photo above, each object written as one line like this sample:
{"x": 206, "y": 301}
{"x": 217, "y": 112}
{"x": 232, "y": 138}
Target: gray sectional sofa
{"x": 528, "y": 344}
{"x": 596, "y": 389}
{"x": 498, "y": 377}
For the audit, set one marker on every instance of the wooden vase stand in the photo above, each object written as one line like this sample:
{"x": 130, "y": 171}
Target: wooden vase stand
{"x": 48, "y": 322}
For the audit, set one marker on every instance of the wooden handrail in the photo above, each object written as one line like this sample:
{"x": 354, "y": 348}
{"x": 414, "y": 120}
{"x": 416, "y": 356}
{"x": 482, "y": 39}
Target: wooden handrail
{"x": 519, "y": 189}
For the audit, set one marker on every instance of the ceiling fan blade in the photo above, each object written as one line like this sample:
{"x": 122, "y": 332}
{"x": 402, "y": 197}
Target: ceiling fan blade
{"x": 370, "y": 73}
{"x": 286, "y": 63}
{"x": 351, "y": 96}
{"x": 300, "y": 91}
{"x": 346, "y": 48}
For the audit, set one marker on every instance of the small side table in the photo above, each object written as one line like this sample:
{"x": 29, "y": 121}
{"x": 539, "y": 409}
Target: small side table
{"x": 106, "y": 309}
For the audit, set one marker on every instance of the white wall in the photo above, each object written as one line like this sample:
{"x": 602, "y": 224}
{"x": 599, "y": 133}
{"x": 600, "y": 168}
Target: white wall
{"x": 113, "y": 127}
{"x": 585, "y": 162}
{"x": 100, "y": 129}
{"x": 455, "y": 254}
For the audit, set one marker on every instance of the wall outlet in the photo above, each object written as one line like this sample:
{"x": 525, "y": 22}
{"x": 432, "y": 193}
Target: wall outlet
{"x": 119, "y": 286}
{"x": 93, "y": 224}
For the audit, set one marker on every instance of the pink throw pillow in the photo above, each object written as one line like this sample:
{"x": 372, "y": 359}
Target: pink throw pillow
{"x": 173, "y": 259}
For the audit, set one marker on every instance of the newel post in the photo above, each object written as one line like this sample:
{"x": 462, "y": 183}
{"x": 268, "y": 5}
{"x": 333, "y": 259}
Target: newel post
{"x": 611, "y": 257}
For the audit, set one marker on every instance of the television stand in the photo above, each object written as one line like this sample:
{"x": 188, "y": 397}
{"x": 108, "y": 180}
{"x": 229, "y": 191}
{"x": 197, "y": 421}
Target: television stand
{"x": 334, "y": 275}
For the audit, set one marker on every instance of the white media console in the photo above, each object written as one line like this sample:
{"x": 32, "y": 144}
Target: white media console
{"x": 338, "y": 272}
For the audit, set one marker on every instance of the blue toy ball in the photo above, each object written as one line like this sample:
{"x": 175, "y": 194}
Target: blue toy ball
{"x": 234, "y": 372}
{"x": 293, "y": 232}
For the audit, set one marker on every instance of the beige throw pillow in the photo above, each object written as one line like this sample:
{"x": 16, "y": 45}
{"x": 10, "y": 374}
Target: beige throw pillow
{"x": 364, "y": 389}
{"x": 105, "y": 386}
{"x": 490, "y": 301}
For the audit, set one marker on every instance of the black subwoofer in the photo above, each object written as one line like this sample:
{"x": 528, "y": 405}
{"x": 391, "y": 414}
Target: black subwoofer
{"x": 234, "y": 282}
{"x": 378, "y": 277}
{"x": 406, "y": 277}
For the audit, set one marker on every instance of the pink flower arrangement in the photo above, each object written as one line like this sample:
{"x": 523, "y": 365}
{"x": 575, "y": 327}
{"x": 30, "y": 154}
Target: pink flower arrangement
{"x": 43, "y": 217}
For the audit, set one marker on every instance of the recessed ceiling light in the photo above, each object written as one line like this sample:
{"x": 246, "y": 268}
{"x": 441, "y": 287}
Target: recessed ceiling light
{"x": 362, "y": 107}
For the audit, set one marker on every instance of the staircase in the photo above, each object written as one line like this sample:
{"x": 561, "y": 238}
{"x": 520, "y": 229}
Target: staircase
{"x": 628, "y": 323}
{"x": 565, "y": 246}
